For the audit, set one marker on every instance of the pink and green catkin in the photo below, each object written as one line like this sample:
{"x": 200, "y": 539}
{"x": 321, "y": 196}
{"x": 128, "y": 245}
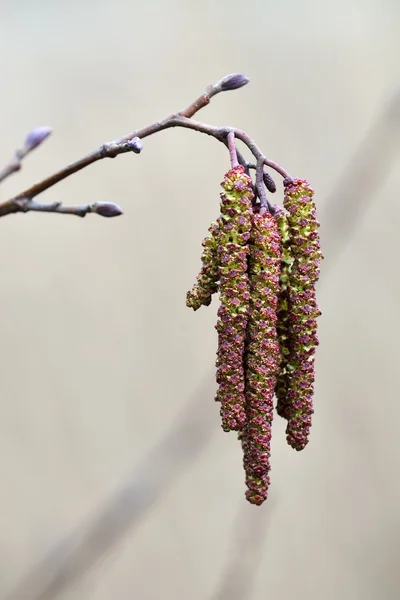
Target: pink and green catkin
{"x": 263, "y": 356}
{"x": 296, "y": 385}
{"x": 232, "y": 256}
{"x": 207, "y": 280}
{"x": 281, "y": 391}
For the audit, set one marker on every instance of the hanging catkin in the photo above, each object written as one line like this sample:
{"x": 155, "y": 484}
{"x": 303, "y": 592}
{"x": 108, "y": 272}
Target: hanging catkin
{"x": 207, "y": 280}
{"x": 298, "y": 378}
{"x": 233, "y": 237}
{"x": 262, "y": 354}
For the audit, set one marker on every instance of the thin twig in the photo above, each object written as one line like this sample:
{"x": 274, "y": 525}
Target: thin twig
{"x": 132, "y": 143}
{"x": 12, "y": 166}
{"x": 242, "y": 161}
{"x": 265, "y": 204}
{"x": 232, "y": 149}
{"x": 104, "y": 209}
{"x": 32, "y": 141}
{"x": 220, "y": 132}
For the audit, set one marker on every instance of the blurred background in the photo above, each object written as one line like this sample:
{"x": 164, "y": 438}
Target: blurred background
{"x": 116, "y": 479}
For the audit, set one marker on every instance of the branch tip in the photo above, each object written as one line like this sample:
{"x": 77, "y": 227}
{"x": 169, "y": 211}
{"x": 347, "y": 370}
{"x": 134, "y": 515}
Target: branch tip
{"x": 233, "y": 81}
{"x": 106, "y": 209}
{"x": 35, "y": 138}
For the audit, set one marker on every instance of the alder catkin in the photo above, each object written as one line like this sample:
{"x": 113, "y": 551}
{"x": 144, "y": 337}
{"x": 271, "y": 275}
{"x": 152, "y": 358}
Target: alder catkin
{"x": 281, "y": 390}
{"x": 303, "y": 310}
{"x": 207, "y": 280}
{"x": 262, "y": 354}
{"x": 233, "y": 236}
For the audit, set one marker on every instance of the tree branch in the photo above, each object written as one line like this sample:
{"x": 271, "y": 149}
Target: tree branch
{"x": 23, "y": 202}
{"x": 15, "y": 205}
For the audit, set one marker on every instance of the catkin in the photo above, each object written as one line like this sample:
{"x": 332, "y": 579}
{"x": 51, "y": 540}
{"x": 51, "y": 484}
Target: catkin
{"x": 281, "y": 390}
{"x": 297, "y": 381}
{"x": 207, "y": 280}
{"x": 262, "y": 354}
{"x": 233, "y": 237}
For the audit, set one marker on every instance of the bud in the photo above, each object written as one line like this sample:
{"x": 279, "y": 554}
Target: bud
{"x": 269, "y": 182}
{"x": 232, "y": 82}
{"x": 136, "y": 145}
{"x": 106, "y": 209}
{"x": 36, "y": 137}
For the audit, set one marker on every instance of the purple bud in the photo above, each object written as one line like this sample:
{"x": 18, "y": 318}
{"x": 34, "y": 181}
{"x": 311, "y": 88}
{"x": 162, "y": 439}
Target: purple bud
{"x": 269, "y": 182}
{"x": 107, "y": 209}
{"x": 136, "y": 145}
{"x": 36, "y": 137}
{"x": 277, "y": 210}
{"x": 233, "y": 82}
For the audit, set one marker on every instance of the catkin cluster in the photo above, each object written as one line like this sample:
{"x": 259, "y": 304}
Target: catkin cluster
{"x": 265, "y": 267}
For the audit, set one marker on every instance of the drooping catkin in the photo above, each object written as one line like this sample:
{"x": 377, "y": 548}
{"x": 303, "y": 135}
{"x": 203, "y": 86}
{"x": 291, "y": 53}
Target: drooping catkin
{"x": 233, "y": 237}
{"x": 207, "y": 280}
{"x": 262, "y": 357}
{"x": 281, "y": 390}
{"x": 303, "y": 310}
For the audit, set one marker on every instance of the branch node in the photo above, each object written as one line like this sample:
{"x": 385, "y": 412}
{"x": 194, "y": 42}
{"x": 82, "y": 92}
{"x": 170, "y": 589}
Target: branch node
{"x": 22, "y": 204}
{"x": 136, "y": 145}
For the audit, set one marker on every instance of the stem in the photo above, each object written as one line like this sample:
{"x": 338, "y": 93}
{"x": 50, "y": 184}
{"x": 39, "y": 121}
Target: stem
{"x": 15, "y": 205}
{"x": 11, "y": 167}
{"x": 264, "y": 202}
{"x": 232, "y": 149}
{"x": 255, "y": 150}
{"x": 242, "y": 161}
{"x": 34, "y": 139}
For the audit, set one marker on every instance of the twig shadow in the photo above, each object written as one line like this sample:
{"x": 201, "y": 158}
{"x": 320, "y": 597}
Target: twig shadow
{"x": 79, "y": 551}
{"x": 250, "y": 532}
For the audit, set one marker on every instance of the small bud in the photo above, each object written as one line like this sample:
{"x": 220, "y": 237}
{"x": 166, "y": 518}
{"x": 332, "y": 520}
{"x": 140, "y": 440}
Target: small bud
{"x": 269, "y": 182}
{"x": 233, "y": 82}
{"x": 36, "y": 137}
{"x": 136, "y": 145}
{"x": 277, "y": 210}
{"x": 107, "y": 209}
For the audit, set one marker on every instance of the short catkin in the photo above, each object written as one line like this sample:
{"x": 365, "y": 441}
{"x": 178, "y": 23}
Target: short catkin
{"x": 207, "y": 280}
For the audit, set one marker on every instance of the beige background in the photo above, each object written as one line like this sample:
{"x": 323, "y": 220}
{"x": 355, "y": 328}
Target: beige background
{"x": 116, "y": 481}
